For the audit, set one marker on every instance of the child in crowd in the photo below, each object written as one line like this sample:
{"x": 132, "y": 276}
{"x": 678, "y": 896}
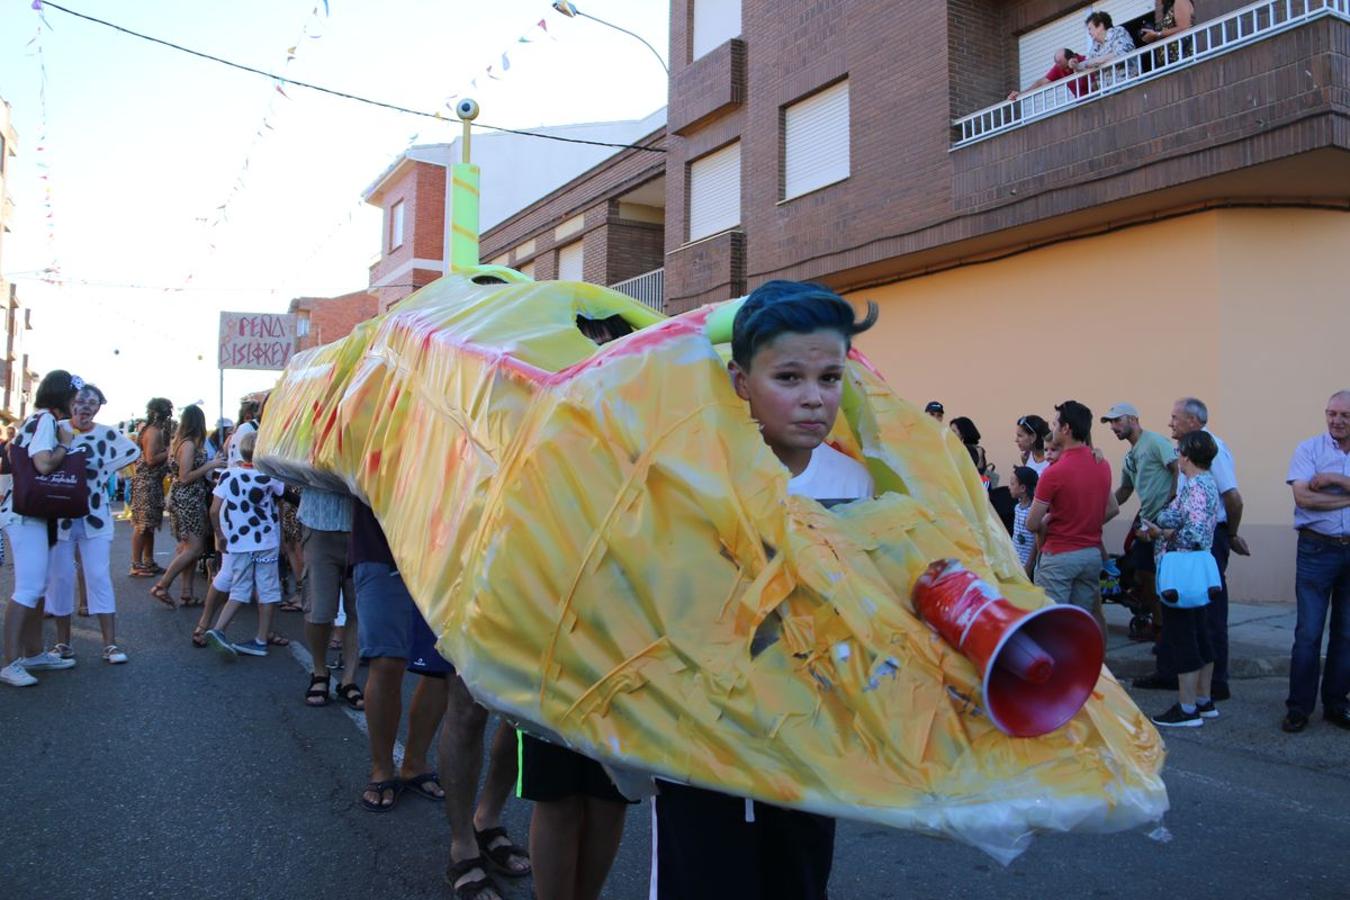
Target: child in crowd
{"x": 245, "y": 504}
{"x": 789, "y": 345}
{"x": 1023, "y": 489}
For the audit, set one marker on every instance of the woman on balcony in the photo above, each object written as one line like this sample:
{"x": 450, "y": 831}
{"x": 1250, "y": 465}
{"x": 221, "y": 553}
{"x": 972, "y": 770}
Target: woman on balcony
{"x": 1110, "y": 42}
{"x": 1177, "y": 16}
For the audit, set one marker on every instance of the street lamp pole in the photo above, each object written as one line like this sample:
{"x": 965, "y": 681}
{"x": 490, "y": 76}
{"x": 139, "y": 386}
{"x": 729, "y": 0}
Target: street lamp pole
{"x": 569, "y": 9}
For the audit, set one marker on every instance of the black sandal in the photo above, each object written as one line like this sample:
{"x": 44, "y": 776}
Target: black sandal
{"x": 352, "y": 695}
{"x": 472, "y": 889}
{"x": 393, "y": 785}
{"x": 318, "y": 690}
{"x": 500, "y": 855}
{"x": 418, "y": 785}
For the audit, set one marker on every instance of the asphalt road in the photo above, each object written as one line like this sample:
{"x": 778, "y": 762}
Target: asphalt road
{"x": 182, "y": 775}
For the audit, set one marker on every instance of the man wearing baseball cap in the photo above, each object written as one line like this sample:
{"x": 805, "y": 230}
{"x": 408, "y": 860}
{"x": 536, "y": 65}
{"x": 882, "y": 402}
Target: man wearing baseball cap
{"x": 1150, "y": 468}
{"x": 934, "y": 409}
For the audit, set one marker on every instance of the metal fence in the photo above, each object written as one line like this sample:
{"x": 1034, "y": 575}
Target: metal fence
{"x": 1208, "y": 39}
{"x": 648, "y": 288}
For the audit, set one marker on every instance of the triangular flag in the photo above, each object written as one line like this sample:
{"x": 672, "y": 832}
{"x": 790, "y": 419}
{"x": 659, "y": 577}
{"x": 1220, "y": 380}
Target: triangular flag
{"x": 543, "y": 24}
{"x": 474, "y": 84}
{"x": 523, "y": 40}
{"x": 506, "y": 62}
{"x": 490, "y": 75}
{"x": 325, "y": 7}
{"x": 282, "y": 93}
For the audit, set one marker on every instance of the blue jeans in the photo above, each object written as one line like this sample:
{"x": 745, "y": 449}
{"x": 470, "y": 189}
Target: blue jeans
{"x": 1323, "y": 580}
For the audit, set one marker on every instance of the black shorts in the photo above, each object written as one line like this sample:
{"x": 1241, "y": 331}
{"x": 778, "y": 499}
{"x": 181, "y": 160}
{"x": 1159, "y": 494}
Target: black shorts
{"x": 1185, "y": 641}
{"x": 706, "y": 850}
{"x": 548, "y": 772}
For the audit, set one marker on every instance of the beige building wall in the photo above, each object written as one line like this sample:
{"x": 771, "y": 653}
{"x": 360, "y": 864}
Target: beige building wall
{"x": 1246, "y": 309}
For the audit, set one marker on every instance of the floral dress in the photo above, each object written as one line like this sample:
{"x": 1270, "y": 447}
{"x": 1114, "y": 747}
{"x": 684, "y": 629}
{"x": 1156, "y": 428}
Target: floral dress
{"x": 1192, "y": 515}
{"x": 188, "y": 502}
{"x": 147, "y": 492}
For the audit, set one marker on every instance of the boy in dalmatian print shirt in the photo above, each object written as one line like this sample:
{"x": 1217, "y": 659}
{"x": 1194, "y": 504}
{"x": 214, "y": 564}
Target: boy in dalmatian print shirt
{"x": 245, "y": 502}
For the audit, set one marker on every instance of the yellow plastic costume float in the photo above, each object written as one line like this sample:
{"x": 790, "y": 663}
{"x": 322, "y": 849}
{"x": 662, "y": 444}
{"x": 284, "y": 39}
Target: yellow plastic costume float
{"x": 607, "y": 551}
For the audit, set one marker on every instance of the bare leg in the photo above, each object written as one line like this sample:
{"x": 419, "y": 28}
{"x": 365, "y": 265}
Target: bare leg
{"x": 63, "y": 630}
{"x": 1187, "y": 682}
{"x": 461, "y": 762}
{"x": 137, "y": 547}
{"x": 265, "y": 611}
{"x": 226, "y": 614}
{"x": 384, "y": 707}
{"x": 424, "y": 718}
{"x": 351, "y": 652}
{"x": 555, "y": 847}
{"x": 601, "y": 832}
{"x": 32, "y": 630}
{"x": 189, "y": 551}
{"x": 1204, "y": 680}
{"x": 16, "y": 623}
{"x": 316, "y": 638}
{"x": 213, "y": 598}
{"x": 107, "y": 623}
{"x": 501, "y": 779}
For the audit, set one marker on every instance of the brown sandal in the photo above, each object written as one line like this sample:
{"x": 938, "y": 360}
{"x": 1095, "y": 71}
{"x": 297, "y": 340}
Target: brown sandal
{"x": 162, "y": 596}
{"x": 199, "y": 636}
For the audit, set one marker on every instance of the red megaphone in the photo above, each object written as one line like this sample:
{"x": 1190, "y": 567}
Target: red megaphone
{"x": 1038, "y": 667}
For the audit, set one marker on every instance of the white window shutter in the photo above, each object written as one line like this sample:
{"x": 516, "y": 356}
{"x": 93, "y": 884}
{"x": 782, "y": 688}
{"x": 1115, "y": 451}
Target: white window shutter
{"x": 715, "y": 192}
{"x": 815, "y": 141}
{"x": 715, "y": 23}
{"x": 571, "y": 262}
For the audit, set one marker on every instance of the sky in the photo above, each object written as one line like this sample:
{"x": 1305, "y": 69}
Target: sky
{"x": 143, "y": 145}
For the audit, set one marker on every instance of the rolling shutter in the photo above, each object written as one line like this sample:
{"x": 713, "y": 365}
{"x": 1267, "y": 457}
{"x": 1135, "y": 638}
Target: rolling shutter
{"x": 815, "y": 141}
{"x": 715, "y": 192}
{"x": 571, "y": 262}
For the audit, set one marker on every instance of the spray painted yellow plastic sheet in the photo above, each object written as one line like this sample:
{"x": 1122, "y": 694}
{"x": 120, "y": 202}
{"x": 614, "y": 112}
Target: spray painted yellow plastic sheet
{"x": 608, "y": 553}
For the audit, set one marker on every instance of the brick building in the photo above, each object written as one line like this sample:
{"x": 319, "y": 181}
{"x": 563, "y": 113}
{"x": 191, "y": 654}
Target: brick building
{"x": 17, "y": 380}
{"x": 327, "y": 319}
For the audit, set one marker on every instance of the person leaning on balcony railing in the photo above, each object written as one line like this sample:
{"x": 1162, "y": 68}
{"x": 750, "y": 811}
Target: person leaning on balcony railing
{"x": 1109, "y": 43}
{"x": 1064, "y": 64}
{"x": 1177, "y": 16}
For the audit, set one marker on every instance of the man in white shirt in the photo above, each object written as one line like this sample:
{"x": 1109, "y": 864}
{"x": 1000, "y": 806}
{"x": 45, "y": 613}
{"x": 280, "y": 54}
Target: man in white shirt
{"x": 1319, "y": 474}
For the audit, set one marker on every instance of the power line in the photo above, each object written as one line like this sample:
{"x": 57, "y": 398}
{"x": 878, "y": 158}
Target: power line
{"x": 333, "y": 92}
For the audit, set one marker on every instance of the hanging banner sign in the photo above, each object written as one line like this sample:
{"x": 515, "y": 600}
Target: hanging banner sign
{"x": 256, "y": 340}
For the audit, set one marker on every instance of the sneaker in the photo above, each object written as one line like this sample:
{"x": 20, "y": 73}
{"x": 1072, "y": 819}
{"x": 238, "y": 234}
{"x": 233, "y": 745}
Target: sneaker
{"x": 1207, "y": 710}
{"x": 114, "y": 654}
{"x": 65, "y": 651}
{"x": 217, "y": 641}
{"x": 1176, "y": 717}
{"x": 44, "y": 661}
{"x": 16, "y": 675}
{"x": 254, "y": 647}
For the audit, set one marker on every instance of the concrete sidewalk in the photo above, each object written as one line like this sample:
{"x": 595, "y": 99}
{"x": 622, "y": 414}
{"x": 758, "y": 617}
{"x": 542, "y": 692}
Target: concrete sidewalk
{"x": 1259, "y": 641}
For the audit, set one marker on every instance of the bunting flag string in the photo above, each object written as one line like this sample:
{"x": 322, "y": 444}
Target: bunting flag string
{"x": 312, "y": 29}
{"x": 496, "y": 70}
{"x": 51, "y": 273}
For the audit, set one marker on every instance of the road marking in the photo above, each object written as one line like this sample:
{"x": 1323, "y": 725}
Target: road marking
{"x": 1265, "y": 797}
{"x": 302, "y": 656}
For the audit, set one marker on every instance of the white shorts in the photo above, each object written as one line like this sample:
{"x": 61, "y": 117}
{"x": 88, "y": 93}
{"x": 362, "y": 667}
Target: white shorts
{"x": 225, "y": 576}
{"x": 258, "y": 570}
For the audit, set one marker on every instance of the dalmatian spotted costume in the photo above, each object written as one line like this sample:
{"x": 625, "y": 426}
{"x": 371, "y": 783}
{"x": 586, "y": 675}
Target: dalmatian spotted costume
{"x": 248, "y": 521}
{"x": 105, "y": 451}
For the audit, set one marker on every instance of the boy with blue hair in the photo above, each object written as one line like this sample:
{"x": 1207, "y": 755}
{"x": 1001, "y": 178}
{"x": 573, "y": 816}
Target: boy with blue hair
{"x": 789, "y": 348}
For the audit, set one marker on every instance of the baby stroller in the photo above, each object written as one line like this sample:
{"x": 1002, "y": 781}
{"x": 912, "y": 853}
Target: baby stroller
{"x": 1117, "y": 584}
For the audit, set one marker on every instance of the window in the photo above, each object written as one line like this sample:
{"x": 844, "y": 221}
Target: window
{"x": 715, "y": 23}
{"x": 815, "y": 141}
{"x": 396, "y": 225}
{"x": 527, "y": 269}
{"x": 3, "y": 148}
{"x": 302, "y": 326}
{"x": 1036, "y": 49}
{"x": 715, "y": 192}
{"x": 571, "y": 260}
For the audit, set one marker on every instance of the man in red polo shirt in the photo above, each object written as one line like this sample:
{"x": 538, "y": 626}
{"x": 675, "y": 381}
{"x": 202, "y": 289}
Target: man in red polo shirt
{"x": 1073, "y": 500}
{"x": 1064, "y": 63}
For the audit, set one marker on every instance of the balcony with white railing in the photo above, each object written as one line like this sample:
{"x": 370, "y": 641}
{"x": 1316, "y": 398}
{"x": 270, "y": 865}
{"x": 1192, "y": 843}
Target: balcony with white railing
{"x": 1207, "y": 40}
{"x": 649, "y": 288}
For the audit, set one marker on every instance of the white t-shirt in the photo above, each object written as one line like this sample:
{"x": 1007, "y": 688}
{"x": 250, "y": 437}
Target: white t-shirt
{"x": 232, "y": 456}
{"x": 248, "y": 509}
{"x": 36, "y": 434}
{"x": 1037, "y": 467}
{"x": 831, "y": 475}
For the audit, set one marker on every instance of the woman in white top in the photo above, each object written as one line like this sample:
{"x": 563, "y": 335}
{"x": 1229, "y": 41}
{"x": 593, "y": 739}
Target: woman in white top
{"x": 105, "y": 450}
{"x": 47, "y": 441}
{"x": 1032, "y": 432}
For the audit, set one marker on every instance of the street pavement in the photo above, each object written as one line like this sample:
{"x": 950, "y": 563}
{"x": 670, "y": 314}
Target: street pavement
{"x": 183, "y": 775}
